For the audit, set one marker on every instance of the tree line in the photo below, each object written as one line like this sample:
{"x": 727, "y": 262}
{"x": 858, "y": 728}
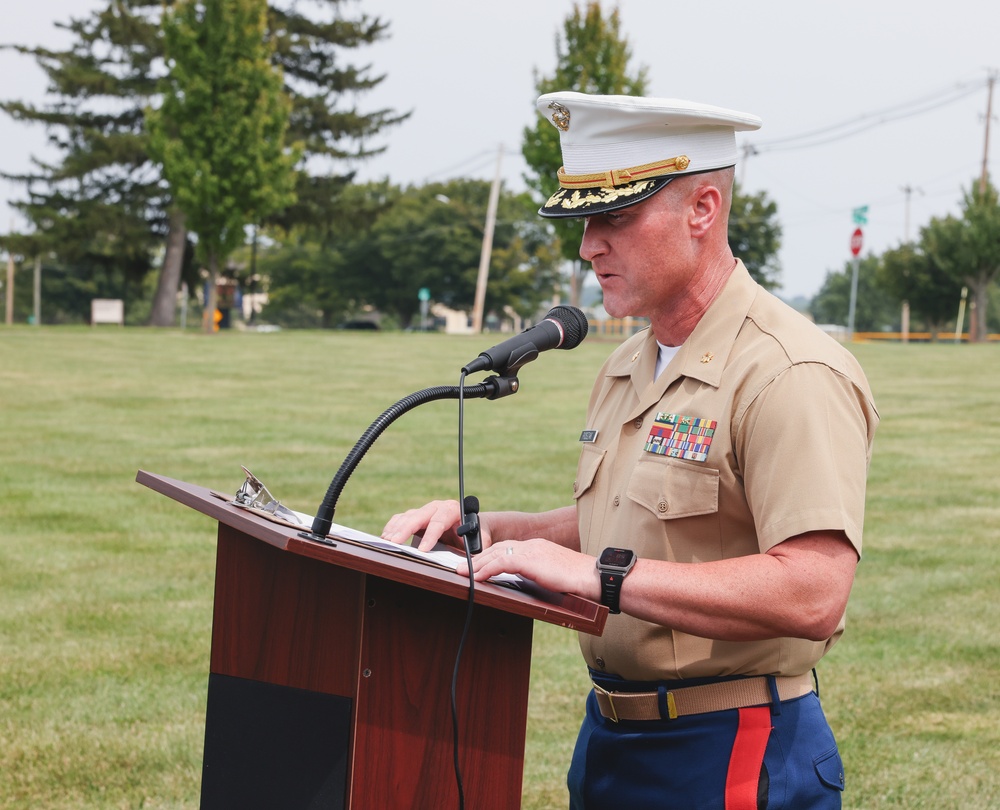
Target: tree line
{"x": 954, "y": 259}
{"x": 205, "y": 138}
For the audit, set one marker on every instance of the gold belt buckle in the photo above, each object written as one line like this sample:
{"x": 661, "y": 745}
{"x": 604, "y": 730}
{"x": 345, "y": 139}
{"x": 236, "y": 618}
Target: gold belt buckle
{"x": 611, "y": 700}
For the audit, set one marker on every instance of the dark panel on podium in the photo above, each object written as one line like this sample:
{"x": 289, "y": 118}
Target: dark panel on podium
{"x": 270, "y": 747}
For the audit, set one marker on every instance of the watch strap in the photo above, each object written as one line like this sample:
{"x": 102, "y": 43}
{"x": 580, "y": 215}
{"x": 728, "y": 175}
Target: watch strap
{"x": 611, "y": 590}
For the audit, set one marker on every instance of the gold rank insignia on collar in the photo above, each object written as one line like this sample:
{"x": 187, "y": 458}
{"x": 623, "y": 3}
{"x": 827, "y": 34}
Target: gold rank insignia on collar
{"x": 707, "y": 357}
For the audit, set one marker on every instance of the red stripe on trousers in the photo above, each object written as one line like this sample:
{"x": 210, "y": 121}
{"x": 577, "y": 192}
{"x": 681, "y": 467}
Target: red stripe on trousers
{"x": 747, "y": 757}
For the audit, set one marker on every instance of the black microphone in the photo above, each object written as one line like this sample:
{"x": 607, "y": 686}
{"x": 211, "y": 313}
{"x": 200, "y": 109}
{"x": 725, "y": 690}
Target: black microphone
{"x": 470, "y": 529}
{"x": 564, "y": 327}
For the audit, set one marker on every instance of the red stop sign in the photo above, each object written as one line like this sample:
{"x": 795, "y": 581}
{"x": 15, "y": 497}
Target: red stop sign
{"x": 856, "y": 240}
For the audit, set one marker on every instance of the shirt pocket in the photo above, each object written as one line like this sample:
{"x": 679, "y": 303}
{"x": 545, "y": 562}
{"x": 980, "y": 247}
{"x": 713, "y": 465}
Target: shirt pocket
{"x": 670, "y": 490}
{"x": 591, "y": 457}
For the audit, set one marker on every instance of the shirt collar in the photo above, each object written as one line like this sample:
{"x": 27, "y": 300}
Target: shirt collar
{"x": 705, "y": 353}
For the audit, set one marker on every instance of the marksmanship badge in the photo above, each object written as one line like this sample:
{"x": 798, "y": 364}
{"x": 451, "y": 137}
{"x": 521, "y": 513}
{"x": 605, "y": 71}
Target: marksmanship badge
{"x": 676, "y": 436}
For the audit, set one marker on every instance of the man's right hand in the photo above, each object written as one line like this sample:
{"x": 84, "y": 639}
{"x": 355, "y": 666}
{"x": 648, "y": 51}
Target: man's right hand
{"x": 430, "y": 524}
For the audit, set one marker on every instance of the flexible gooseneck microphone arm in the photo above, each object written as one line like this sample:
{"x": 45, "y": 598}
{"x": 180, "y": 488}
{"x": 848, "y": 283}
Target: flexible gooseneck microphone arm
{"x": 562, "y": 328}
{"x": 490, "y": 388}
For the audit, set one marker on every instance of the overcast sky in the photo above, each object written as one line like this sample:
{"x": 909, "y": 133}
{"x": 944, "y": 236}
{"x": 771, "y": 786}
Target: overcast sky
{"x": 892, "y": 92}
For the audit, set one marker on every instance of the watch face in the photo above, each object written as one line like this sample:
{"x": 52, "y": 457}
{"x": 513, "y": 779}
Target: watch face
{"x": 617, "y": 557}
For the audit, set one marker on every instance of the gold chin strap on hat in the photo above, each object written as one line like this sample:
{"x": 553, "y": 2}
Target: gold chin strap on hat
{"x": 622, "y": 177}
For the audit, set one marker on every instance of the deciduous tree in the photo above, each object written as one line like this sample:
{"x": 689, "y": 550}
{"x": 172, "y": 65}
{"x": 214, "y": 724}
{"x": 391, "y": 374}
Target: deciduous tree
{"x": 755, "y": 235}
{"x": 874, "y": 309}
{"x": 909, "y": 273}
{"x": 99, "y": 207}
{"x": 420, "y": 237}
{"x": 967, "y": 248}
{"x": 592, "y": 56}
{"x": 220, "y": 133}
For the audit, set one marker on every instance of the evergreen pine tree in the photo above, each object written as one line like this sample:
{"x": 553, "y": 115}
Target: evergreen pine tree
{"x": 103, "y": 202}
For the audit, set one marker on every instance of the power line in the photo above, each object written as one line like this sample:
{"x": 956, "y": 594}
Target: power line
{"x": 854, "y": 126}
{"x": 476, "y": 158}
{"x": 480, "y": 160}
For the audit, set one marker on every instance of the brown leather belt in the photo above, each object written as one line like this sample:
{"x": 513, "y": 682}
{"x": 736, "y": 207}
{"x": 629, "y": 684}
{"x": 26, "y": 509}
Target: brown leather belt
{"x": 711, "y": 697}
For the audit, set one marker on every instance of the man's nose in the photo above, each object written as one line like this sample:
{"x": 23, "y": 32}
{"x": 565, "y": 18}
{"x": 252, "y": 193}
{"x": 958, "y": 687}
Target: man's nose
{"x": 592, "y": 245}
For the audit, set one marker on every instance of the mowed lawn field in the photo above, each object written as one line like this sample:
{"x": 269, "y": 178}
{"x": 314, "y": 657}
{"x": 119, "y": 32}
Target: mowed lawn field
{"x": 106, "y": 587}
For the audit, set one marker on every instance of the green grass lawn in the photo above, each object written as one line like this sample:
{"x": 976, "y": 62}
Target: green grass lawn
{"x": 106, "y": 587}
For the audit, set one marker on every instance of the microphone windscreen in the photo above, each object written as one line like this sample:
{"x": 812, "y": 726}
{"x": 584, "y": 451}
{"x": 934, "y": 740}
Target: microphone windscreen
{"x": 574, "y": 323}
{"x": 470, "y": 504}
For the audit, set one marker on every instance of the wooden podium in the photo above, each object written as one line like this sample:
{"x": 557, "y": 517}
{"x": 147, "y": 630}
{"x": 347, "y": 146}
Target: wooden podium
{"x": 331, "y": 669}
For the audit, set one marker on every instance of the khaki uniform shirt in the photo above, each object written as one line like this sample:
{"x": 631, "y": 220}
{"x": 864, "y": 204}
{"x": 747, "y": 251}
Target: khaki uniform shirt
{"x": 759, "y": 429}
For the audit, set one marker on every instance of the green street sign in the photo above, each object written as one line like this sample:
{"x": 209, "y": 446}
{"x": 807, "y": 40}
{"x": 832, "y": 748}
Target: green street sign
{"x": 860, "y": 215}
{"x": 424, "y": 294}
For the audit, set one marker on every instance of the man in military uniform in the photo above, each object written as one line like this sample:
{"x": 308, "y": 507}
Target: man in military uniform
{"x": 719, "y": 497}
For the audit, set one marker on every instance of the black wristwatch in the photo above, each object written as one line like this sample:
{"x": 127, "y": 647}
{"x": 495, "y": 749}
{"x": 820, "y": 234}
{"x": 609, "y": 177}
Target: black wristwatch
{"x": 614, "y": 564}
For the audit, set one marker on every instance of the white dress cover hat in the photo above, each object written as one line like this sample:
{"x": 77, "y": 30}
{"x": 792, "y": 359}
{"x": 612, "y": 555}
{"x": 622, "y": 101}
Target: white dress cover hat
{"x": 619, "y": 150}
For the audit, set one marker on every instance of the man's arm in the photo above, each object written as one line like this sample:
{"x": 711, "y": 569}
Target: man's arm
{"x": 799, "y": 588}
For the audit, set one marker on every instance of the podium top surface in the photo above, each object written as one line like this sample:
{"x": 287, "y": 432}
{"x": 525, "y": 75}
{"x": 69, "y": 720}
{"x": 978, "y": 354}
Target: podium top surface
{"x": 566, "y": 610}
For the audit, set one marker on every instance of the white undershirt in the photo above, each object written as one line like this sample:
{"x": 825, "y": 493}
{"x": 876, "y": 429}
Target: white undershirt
{"x": 664, "y": 357}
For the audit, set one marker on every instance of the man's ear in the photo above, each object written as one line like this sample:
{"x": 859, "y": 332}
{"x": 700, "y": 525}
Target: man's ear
{"x": 706, "y": 207}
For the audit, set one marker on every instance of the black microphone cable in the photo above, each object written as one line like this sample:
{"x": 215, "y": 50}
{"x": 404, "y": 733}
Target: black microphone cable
{"x": 466, "y": 530}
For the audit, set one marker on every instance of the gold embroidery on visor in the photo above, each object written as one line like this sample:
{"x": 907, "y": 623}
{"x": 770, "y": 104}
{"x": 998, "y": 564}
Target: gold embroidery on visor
{"x": 581, "y": 199}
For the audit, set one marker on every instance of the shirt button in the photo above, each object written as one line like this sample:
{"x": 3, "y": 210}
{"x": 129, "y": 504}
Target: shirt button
{"x": 576, "y": 486}
{"x": 600, "y": 663}
{"x": 617, "y": 500}
{"x": 662, "y": 506}
{"x": 637, "y": 423}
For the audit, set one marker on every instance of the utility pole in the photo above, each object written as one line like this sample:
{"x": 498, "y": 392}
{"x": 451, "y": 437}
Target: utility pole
{"x": 974, "y": 314}
{"x": 908, "y": 191}
{"x": 991, "y": 80}
{"x": 37, "y": 292}
{"x": 748, "y": 151}
{"x": 487, "y": 249}
{"x": 905, "y": 315}
{"x": 9, "y": 289}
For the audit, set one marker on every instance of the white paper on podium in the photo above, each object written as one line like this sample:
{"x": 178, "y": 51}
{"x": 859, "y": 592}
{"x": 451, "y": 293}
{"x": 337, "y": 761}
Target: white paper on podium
{"x": 255, "y": 497}
{"x": 440, "y": 555}
{"x": 445, "y": 557}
